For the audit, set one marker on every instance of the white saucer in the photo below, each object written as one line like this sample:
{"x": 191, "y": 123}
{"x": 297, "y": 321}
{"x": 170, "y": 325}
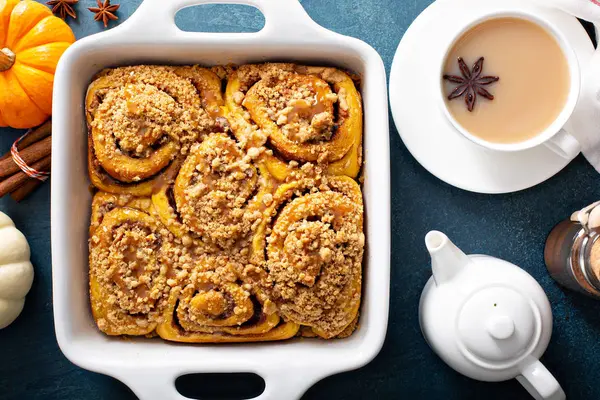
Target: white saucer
{"x": 421, "y": 122}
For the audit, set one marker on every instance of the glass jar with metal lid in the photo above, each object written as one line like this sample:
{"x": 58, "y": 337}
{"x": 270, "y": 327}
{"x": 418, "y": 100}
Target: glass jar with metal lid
{"x": 572, "y": 252}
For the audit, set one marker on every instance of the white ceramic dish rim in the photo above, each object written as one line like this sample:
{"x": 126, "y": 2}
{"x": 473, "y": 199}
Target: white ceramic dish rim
{"x": 150, "y": 367}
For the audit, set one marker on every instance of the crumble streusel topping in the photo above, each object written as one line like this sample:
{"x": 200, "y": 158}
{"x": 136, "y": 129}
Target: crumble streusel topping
{"x": 257, "y": 246}
{"x": 213, "y": 191}
{"x": 147, "y": 101}
{"x": 300, "y": 105}
{"x": 314, "y": 254}
{"x": 128, "y": 258}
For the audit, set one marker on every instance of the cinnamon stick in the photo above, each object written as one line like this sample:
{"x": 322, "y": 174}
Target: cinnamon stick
{"x": 20, "y": 193}
{"x": 10, "y": 184}
{"x": 23, "y": 191}
{"x": 36, "y": 135}
{"x": 31, "y": 154}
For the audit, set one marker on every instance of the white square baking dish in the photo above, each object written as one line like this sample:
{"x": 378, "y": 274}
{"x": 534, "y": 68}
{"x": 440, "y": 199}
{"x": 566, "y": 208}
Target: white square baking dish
{"x": 150, "y": 367}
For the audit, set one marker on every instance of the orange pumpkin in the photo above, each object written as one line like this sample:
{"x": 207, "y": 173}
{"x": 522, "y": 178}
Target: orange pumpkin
{"x": 31, "y": 42}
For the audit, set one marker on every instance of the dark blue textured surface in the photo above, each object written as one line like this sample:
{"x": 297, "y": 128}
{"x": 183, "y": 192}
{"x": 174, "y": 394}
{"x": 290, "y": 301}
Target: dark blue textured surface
{"x": 512, "y": 227}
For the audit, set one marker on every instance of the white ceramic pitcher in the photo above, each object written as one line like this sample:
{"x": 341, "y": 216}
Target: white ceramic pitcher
{"x": 487, "y": 318}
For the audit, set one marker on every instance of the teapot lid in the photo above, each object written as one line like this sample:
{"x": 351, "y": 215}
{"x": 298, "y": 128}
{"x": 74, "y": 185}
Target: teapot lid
{"x": 498, "y": 326}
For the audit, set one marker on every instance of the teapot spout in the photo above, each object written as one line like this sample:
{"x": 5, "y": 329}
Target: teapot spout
{"x": 446, "y": 259}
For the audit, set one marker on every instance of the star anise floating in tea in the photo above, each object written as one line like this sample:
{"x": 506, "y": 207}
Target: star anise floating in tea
{"x": 62, "y": 8}
{"x": 471, "y": 83}
{"x": 105, "y": 11}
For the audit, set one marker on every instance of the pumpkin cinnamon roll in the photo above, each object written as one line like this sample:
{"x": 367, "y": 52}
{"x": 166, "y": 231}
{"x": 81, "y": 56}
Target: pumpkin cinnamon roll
{"x": 225, "y": 217}
{"x": 304, "y": 114}
{"x": 129, "y": 258}
{"x": 309, "y": 249}
{"x": 140, "y": 119}
{"x": 213, "y": 196}
{"x": 215, "y": 306}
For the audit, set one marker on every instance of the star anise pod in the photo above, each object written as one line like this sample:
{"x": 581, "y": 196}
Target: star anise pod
{"x": 470, "y": 84}
{"x": 105, "y": 11}
{"x": 63, "y": 8}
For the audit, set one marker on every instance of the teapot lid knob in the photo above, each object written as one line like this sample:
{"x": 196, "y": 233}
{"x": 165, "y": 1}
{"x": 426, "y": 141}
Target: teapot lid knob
{"x": 500, "y": 326}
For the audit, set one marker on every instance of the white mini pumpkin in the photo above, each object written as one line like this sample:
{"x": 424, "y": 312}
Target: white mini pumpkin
{"x": 16, "y": 271}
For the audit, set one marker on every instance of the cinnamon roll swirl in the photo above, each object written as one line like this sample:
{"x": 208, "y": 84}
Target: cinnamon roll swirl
{"x": 304, "y": 114}
{"x": 310, "y": 249}
{"x": 215, "y": 306}
{"x": 141, "y": 118}
{"x": 104, "y": 202}
{"x": 129, "y": 258}
{"x": 213, "y": 196}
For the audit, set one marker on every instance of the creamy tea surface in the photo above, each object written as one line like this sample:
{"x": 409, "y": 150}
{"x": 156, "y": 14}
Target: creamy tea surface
{"x": 508, "y": 79}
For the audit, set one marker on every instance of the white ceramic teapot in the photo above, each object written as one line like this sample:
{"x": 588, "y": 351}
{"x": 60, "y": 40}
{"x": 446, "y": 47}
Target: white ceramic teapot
{"x": 487, "y": 318}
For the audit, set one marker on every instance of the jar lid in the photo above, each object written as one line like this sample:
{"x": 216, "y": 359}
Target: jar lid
{"x": 498, "y": 327}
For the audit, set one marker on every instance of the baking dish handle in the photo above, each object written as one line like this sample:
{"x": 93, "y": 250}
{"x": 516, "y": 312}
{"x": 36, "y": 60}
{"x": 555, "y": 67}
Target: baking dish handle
{"x": 289, "y": 384}
{"x": 284, "y": 18}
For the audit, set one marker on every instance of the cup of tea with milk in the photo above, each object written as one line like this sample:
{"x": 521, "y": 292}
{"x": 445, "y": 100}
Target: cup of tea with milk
{"x": 510, "y": 81}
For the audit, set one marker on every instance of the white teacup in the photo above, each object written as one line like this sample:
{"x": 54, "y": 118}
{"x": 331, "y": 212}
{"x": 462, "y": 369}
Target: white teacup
{"x": 555, "y": 136}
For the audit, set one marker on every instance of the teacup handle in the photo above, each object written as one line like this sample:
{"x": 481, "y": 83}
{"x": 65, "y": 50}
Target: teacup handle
{"x": 539, "y": 382}
{"x": 564, "y": 144}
